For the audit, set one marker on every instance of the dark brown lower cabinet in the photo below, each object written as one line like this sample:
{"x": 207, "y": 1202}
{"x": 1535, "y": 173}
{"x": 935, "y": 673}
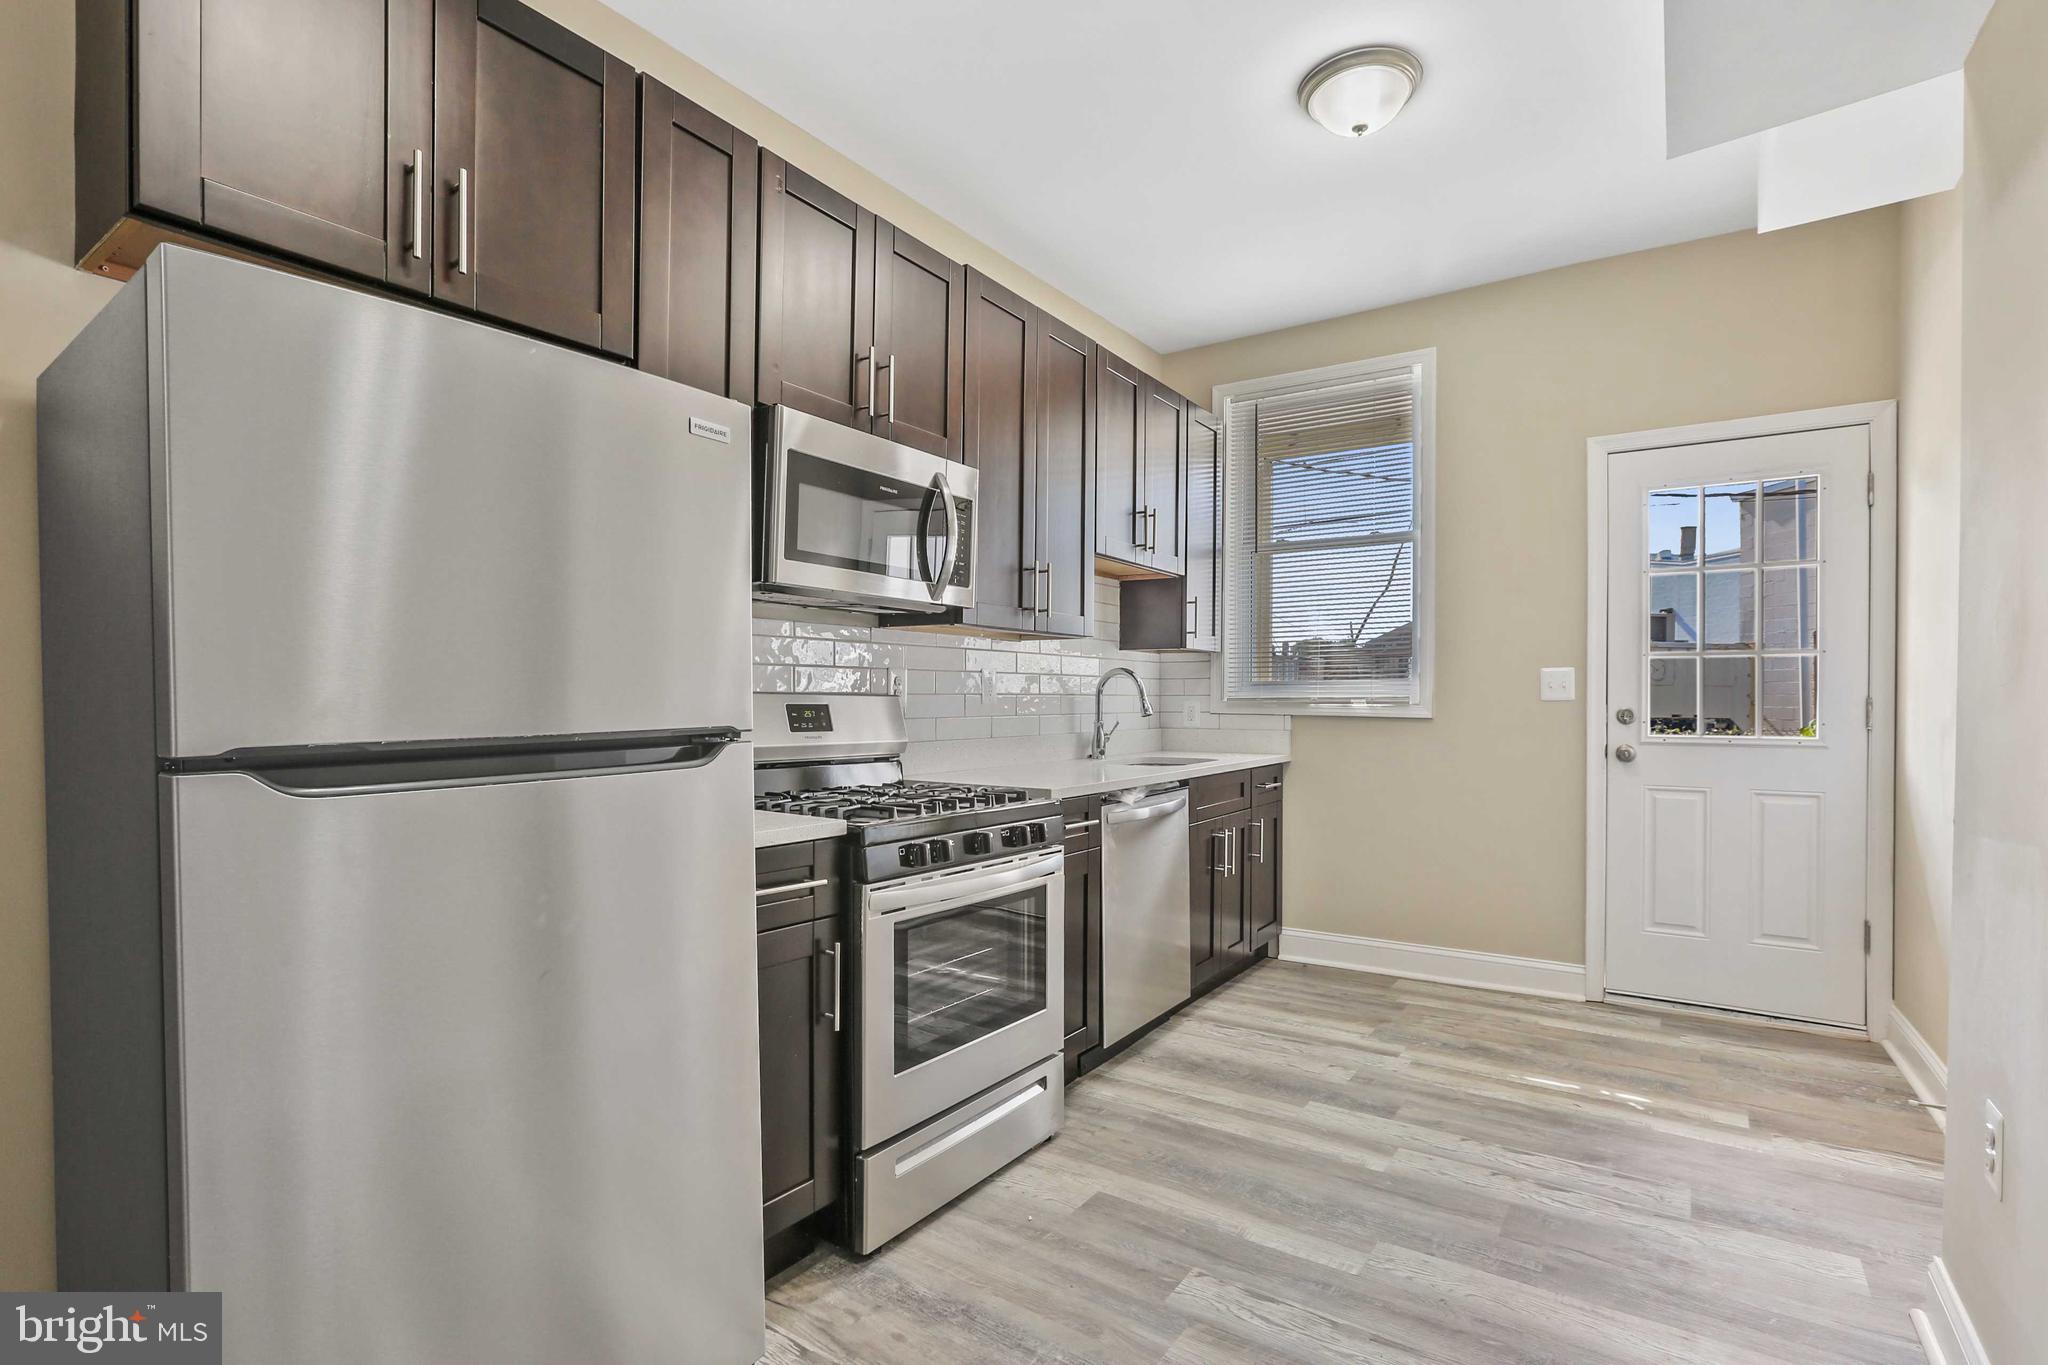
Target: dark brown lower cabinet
{"x": 1219, "y": 921}
{"x": 800, "y": 963}
{"x": 1083, "y": 988}
{"x": 1262, "y": 867}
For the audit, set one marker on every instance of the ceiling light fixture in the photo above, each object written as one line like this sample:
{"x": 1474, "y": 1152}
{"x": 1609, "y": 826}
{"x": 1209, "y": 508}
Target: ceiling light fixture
{"x": 1360, "y": 91}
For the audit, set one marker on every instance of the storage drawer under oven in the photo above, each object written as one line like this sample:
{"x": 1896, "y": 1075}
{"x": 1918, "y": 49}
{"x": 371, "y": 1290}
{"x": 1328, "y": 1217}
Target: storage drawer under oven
{"x": 899, "y": 1184}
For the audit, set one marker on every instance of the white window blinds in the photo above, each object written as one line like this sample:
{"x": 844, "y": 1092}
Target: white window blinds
{"x": 1326, "y": 556}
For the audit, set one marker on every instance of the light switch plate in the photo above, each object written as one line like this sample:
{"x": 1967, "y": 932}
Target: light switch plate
{"x": 1190, "y": 713}
{"x": 1558, "y": 684}
{"x": 1994, "y": 1149}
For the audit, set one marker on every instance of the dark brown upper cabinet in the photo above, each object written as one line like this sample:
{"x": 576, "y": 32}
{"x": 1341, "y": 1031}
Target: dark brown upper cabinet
{"x": 1121, "y": 493}
{"x": 1062, "y": 486}
{"x": 920, "y": 344}
{"x": 1165, "y": 478}
{"x": 302, "y": 128}
{"x": 817, "y": 322}
{"x": 1002, "y": 444}
{"x": 1186, "y": 612}
{"x": 699, "y": 205}
{"x": 534, "y": 137}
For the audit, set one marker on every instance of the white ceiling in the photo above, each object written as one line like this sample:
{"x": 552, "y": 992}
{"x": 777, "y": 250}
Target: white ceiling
{"x": 1148, "y": 158}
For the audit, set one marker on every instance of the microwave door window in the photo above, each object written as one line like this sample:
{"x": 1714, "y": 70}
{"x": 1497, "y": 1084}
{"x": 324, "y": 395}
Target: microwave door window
{"x": 962, "y": 975}
{"x": 843, "y": 517}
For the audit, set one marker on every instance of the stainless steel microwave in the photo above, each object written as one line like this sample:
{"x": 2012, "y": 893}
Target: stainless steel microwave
{"x": 847, "y": 518}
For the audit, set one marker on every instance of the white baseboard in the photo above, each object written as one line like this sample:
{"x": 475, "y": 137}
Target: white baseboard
{"x": 1922, "y": 1067}
{"x": 1423, "y": 962}
{"x": 1947, "y": 1334}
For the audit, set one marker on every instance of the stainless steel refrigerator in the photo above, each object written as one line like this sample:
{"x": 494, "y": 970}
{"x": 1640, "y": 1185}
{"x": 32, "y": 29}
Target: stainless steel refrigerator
{"x": 397, "y": 694}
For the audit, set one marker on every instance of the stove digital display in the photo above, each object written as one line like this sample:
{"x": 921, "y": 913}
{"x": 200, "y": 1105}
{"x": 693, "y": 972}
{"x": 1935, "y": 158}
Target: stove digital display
{"x": 808, "y": 719}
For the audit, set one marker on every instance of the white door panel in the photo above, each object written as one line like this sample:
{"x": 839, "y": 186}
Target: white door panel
{"x": 1737, "y": 759}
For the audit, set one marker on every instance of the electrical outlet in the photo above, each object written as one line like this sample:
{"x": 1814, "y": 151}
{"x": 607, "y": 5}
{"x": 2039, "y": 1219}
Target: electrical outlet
{"x": 1994, "y": 1149}
{"x": 1190, "y": 713}
{"x": 1557, "y": 684}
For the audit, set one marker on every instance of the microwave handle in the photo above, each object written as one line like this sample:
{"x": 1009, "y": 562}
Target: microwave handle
{"x": 942, "y": 576}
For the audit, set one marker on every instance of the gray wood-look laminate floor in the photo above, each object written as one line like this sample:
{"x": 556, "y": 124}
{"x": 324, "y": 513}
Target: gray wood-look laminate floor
{"x": 1320, "y": 1165}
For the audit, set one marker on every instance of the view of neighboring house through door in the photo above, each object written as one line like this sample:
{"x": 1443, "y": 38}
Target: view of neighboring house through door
{"x": 1733, "y": 748}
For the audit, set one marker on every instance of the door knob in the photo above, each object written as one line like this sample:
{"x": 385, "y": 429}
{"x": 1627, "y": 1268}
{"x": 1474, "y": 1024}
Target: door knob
{"x": 1625, "y": 752}
{"x": 1625, "y": 716}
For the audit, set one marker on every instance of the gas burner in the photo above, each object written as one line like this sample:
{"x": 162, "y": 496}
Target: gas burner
{"x": 903, "y": 800}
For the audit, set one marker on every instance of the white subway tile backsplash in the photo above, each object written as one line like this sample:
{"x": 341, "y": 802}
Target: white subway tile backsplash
{"x": 964, "y": 727}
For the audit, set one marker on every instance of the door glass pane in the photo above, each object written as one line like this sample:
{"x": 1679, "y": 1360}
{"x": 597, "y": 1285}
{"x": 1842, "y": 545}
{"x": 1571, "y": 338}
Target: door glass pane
{"x": 1674, "y": 526}
{"x": 1790, "y": 696}
{"x": 1674, "y": 704}
{"x": 1791, "y": 609}
{"x": 1731, "y": 524}
{"x": 1791, "y": 519}
{"x": 1730, "y": 610}
{"x": 1728, "y": 697}
{"x": 1674, "y": 611}
{"x": 964, "y": 974}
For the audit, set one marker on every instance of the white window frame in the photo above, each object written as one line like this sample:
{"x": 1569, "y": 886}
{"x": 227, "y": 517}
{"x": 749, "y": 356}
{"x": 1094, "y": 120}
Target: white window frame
{"x": 1424, "y": 580}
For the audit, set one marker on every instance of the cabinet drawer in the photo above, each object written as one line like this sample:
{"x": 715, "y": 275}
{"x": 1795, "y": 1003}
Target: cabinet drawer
{"x": 795, "y": 884}
{"x": 1268, "y": 783}
{"x": 1219, "y": 795}
{"x": 1083, "y": 818}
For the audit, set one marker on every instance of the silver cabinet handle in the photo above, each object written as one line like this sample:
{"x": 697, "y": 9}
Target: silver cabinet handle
{"x": 462, "y": 221}
{"x": 1626, "y": 753}
{"x": 1137, "y": 528}
{"x": 1045, "y": 586}
{"x": 1027, "y": 593}
{"x": 1259, "y": 854}
{"x": 871, "y": 380}
{"x": 891, "y": 414}
{"x": 415, "y": 202}
{"x": 1221, "y": 840}
{"x": 1151, "y": 528}
{"x": 1269, "y": 786}
{"x": 838, "y": 986}
{"x": 1080, "y": 825}
{"x": 790, "y": 886}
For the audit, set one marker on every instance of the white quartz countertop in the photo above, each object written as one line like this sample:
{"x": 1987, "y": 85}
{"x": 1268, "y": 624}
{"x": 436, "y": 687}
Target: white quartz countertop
{"x": 1061, "y": 778}
{"x": 773, "y": 828}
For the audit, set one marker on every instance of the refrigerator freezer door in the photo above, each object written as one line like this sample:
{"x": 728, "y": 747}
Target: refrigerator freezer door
{"x": 379, "y": 523}
{"x": 471, "y": 1073}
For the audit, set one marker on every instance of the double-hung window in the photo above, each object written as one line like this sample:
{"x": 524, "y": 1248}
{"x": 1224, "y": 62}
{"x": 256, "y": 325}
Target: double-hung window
{"x": 1328, "y": 549}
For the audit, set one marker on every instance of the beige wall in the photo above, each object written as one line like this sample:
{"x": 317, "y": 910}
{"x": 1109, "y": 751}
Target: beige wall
{"x": 1930, "y": 479}
{"x": 43, "y": 303}
{"x": 1468, "y": 830}
{"x": 1997, "y": 1251}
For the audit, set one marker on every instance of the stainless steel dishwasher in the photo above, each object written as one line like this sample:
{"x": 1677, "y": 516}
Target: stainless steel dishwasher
{"x": 1145, "y": 941}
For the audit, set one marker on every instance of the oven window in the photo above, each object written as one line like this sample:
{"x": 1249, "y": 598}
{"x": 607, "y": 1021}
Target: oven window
{"x": 964, "y": 974}
{"x": 844, "y": 517}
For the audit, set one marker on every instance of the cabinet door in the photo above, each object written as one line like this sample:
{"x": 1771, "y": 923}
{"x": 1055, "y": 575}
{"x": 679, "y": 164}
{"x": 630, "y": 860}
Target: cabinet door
{"x": 817, "y": 323}
{"x": 1206, "y": 872}
{"x": 1120, "y": 491}
{"x": 920, "y": 329}
{"x": 1083, "y": 988}
{"x": 699, "y": 201}
{"x": 302, "y": 126}
{"x": 1164, "y": 481}
{"x": 1262, "y": 868}
{"x": 1233, "y": 898}
{"x": 1002, "y": 443}
{"x": 1204, "y": 601}
{"x": 799, "y": 1073}
{"x": 534, "y": 133}
{"x": 1063, "y": 490}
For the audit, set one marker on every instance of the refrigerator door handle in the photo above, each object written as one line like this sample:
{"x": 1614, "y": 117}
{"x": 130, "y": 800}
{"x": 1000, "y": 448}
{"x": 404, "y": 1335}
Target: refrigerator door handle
{"x": 429, "y": 766}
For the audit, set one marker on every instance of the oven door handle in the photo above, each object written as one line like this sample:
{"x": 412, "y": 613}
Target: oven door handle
{"x": 961, "y": 889}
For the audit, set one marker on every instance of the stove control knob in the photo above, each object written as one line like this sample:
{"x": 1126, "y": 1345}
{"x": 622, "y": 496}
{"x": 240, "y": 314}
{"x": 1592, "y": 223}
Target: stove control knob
{"x": 977, "y": 843}
{"x": 1037, "y": 832}
{"x": 1015, "y": 836}
{"x": 910, "y": 855}
{"x": 941, "y": 850}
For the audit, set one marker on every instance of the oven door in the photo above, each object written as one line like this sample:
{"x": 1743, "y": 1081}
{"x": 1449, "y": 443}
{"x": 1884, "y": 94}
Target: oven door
{"x": 960, "y": 986}
{"x": 854, "y": 518}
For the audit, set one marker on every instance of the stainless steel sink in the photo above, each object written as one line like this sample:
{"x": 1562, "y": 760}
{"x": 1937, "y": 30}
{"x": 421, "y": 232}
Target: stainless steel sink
{"x": 1160, "y": 762}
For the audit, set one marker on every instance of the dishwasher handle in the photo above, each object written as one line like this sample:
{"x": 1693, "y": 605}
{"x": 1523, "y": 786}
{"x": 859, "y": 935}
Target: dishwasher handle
{"x": 1150, "y": 808}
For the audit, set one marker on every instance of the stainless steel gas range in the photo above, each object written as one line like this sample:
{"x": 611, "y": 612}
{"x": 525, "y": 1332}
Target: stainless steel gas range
{"x": 956, "y": 979}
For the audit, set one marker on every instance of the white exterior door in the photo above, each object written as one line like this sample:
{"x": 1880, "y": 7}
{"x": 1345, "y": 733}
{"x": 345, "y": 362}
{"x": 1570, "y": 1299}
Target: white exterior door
{"x": 1736, "y": 754}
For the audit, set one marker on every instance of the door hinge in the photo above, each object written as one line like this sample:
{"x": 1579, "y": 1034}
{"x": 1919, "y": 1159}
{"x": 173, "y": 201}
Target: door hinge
{"x": 1866, "y": 938}
{"x": 1870, "y": 489}
{"x": 1869, "y": 713}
